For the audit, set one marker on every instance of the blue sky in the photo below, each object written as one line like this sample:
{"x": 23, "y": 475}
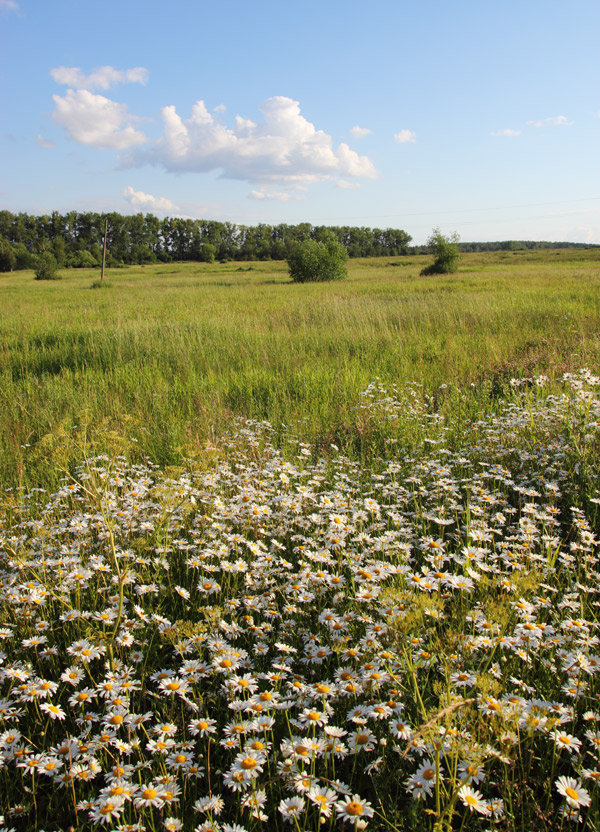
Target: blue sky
{"x": 482, "y": 118}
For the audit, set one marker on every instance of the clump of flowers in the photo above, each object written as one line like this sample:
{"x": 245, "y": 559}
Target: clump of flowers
{"x": 300, "y": 641}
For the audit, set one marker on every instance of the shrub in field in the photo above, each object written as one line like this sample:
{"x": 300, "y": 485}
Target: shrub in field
{"x": 47, "y": 267}
{"x": 313, "y": 261}
{"x": 445, "y": 250}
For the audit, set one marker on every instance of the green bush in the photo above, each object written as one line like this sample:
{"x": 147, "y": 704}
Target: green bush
{"x": 25, "y": 259}
{"x": 47, "y": 267}
{"x": 317, "y": 261}
{"x": 445, "y": 250}
{"x": 81, "y": 260}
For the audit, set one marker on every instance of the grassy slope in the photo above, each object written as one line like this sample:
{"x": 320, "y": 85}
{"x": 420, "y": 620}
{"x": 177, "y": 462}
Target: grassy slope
{"x": 164, "y": 357}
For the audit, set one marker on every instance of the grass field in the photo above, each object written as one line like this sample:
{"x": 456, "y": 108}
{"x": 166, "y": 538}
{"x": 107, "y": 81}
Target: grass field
{"x": 164, "y": 357}
{"x": 312, "y": 557}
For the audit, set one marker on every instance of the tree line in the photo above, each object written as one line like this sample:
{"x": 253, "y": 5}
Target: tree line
{"x": 75, "y": 239}
{"x": 504, "y": 245}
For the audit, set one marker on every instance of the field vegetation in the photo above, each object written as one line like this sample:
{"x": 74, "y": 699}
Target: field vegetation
{"x": 311, "y": 556}
{"x": 161, "y": 358}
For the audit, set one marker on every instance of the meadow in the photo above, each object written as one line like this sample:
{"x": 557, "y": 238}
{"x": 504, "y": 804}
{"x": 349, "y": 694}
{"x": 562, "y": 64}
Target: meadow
{"x": 306, "y": 557}
{"x": 163, "y": 358}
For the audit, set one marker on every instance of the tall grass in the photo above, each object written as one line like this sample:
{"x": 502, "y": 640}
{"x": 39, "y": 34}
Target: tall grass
{"x": 161, "y": 359}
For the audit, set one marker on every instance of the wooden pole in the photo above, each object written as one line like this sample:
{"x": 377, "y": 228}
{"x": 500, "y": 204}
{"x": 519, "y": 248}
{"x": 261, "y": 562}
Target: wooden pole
{"x": 104, "y": 248}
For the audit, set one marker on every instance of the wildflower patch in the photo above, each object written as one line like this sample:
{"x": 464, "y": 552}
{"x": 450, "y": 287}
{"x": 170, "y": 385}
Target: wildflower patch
{"x": 295, "y": 640}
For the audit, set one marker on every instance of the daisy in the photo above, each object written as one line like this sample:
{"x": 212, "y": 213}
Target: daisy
{"x": 291, "y": 808}
{"x": 174, "y": 685}
{"x": 202, "y": 727}
{"x": 471, "y": 773}
{"x": 353, "y": 809}
{"x": 572, "y": 789}
{"x": 423, "y": 780}
{"x": 473, "y": 800}
{"x": 148, "y": 796}
{"x": 362, "y": 740}
{"x": 248, "y": 764}
{"x": 53, "y": 711}
{"x": 107, "y": 810}
{"x": 324, "y": 798}
{"x": 214, "y": 805}
{"x": 310, "y": 718}
{"x": 566, "y": 741}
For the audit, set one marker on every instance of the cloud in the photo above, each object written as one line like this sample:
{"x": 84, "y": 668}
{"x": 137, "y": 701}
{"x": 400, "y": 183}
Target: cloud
{"x": 405, "y": 136}
{"x": 8, "y": 6}
{"x": 508, "y": 132}
{"x": 147, "y": 202}
{"x": 280, "y": 196}
{"x": 360, "y": 132}
{"x": 42, "y": 142}
{"x": 284, "y": 149}
{"x": 344, "y": 185}
{"x": 555, "y": 121}
{"x": 102, "y": 78}
{"x": 95, "y": 120}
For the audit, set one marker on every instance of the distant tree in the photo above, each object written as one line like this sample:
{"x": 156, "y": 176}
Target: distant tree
{"x": 47, "y": 267}
{"x": 313, "y": 260}
{"x": 59, "y": 250}
{"x": 8, "y": 259}
{"x": 445, "y": 251}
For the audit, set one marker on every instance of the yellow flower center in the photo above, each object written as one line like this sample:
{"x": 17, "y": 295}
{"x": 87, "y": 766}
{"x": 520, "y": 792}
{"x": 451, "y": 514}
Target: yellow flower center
{"x": 249, "y": 763}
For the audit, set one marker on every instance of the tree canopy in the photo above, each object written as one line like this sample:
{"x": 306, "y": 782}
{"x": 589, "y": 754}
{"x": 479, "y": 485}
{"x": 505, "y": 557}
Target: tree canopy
{"x": 76, "y": 239}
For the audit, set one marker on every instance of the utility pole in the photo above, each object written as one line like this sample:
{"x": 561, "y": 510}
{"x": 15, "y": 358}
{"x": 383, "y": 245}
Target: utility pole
{"x": 104, "y": 247}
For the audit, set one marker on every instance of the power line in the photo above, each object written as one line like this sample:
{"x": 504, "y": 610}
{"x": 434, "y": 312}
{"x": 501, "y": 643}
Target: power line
{"x": 465, "y": 211}
{"x": 514, "y": 219}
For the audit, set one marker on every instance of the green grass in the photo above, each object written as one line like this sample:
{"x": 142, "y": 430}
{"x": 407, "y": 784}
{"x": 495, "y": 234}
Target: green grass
{"x": 161, "y": 359}
{"x": 415, "y": 535}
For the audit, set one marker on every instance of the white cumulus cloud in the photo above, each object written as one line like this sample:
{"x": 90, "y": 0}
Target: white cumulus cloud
{"x": 280, "y": 196}
{"x": 284, "y": 149}
{"x": 102, "y": 78}
{"x": 95, "y": 120}
{"x": 405, "y": 136}
{"x": 147, "y": 202}
{"x": 8, "y": 6}
{"x": 359, "y": 132}
{"x": 554, "y": 121}
{"x": 509, "y": 133}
